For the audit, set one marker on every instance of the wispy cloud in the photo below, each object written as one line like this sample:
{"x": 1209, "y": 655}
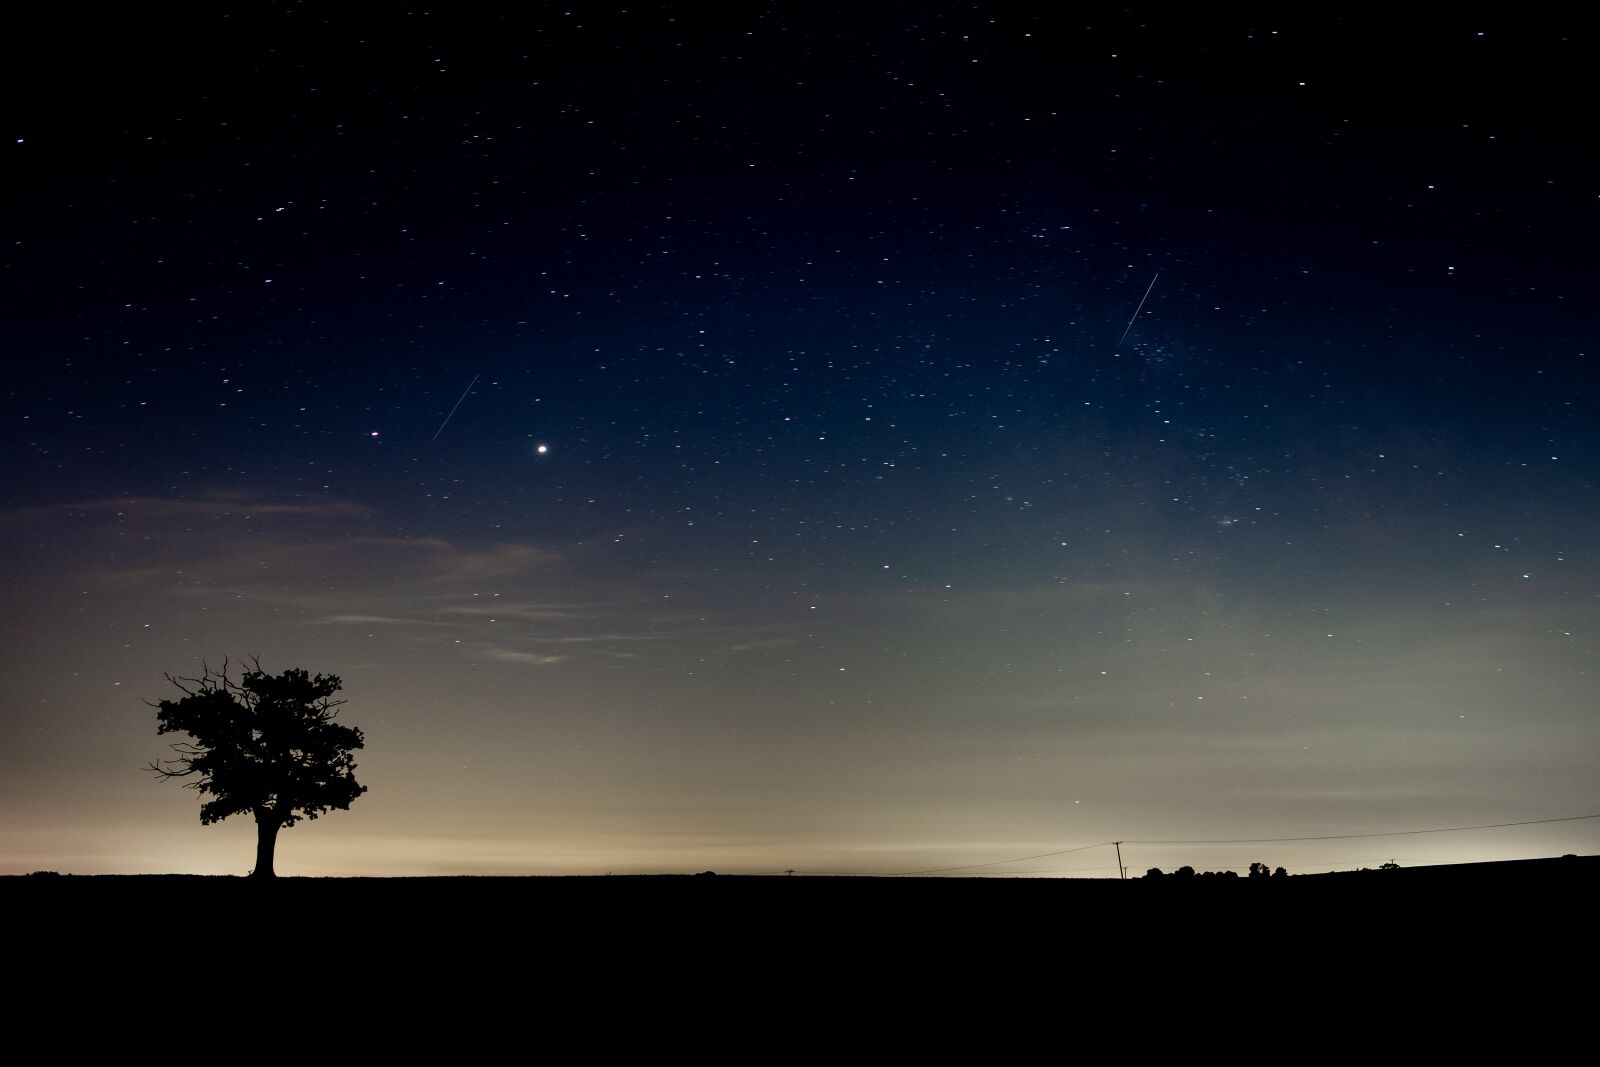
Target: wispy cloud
{"x": 531, "y": 659}
{"x": 366, "y": 620}
{"x": 331, "y": 564}
{"x": 209, "y": 505}
{"x": 760, "y": 645}
{"x": 530, "y": 612}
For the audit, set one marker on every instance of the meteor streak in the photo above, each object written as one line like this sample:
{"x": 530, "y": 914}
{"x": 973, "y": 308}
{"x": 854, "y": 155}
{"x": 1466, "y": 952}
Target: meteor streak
{"x": 1136, "y": 311}
{"x": 474, "y": 381}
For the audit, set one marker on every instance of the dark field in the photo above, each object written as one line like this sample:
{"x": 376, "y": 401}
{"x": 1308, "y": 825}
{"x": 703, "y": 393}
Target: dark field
{"x": 643, "y": 965}
{"x": 734, "y": 912}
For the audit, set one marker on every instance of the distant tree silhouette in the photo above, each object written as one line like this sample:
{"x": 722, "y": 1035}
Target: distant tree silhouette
{"x": 265, "y": 744}
{"x": 1257, "y": 870}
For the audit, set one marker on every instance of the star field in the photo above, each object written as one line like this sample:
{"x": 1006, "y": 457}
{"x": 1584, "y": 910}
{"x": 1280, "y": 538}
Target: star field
{"x": 703, "y": 439}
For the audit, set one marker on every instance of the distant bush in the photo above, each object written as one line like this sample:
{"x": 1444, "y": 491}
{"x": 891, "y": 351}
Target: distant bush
{"x": 1257, "y": 870}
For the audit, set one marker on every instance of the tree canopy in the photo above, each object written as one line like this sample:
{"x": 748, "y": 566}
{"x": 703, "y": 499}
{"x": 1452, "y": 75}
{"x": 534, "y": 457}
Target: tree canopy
{"x": 264, "y": 744}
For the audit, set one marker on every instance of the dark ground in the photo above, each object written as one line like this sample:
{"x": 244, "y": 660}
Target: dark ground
{"x": 957, "y": 914}
{"x": 648, "y": 963}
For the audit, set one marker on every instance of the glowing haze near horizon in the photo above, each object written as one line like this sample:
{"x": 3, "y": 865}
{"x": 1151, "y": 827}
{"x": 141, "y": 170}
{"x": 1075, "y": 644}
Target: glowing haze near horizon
{"x": 804, "y": 512}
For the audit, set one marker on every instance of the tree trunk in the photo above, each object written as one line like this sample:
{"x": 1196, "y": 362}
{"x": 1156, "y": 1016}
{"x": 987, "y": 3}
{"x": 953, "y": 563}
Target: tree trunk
{"x": 266, "y": 843}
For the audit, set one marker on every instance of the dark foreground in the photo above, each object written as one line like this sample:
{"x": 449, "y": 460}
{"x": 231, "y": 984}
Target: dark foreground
{"x": 733, "y": 913}
{"x": 602, "y": 953}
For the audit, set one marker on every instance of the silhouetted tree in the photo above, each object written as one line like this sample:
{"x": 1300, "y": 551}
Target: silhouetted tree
{"x": 1259, "y": 870}
{"x": 1155, "y": 872}
{"x": 1280, "y": 873}
{"x": 265, "y": 744}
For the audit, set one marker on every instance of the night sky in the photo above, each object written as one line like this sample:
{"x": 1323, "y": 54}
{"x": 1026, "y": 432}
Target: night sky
{"x": 804, "y": 510}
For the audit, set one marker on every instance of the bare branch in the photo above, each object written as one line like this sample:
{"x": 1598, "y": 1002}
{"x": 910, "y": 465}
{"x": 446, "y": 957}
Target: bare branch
{"x": 179, "y": 680}
{"x": 162, "y": 768}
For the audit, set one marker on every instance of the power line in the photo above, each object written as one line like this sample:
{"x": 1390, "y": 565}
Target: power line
{"x": 995, "y": 863}
{"x": 1346, "y": 837}
{"x": 1050, "y": 870}
{"x": 1245, "y": 841}
{"x": 1192, "y": 841}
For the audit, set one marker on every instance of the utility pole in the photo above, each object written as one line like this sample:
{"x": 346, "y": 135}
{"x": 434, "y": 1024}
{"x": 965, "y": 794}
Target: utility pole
{"x": 1121, "y": 870}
